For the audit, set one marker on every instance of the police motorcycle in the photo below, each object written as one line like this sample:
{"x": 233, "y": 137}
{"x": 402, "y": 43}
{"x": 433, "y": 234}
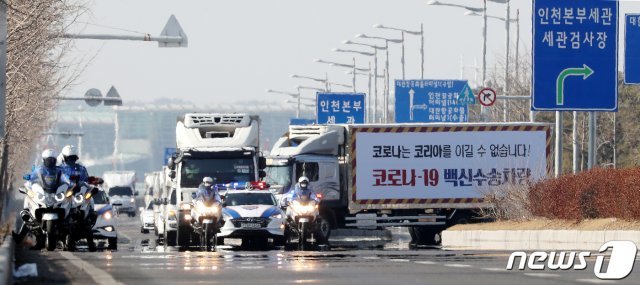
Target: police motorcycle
{"x": 304, "y": 221}
{"x": 82, "y": 214}
{"x": 206, "y": 215}
{"x": 46, "y": 208}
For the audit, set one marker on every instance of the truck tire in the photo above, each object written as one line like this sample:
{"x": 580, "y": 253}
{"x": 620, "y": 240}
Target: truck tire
{"x": 184, "y": 237}
{"x": 170, "y": 238}
{"x": 425, "y": 235}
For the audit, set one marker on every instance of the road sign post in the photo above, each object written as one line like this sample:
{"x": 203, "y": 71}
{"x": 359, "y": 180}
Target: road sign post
{"x": 340, "y": 108}
{"x": 425, "y": 101}
{"x": 632, "y": 49}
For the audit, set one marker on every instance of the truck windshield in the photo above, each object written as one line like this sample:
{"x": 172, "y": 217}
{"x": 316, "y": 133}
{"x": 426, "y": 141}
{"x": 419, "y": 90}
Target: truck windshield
{"x": 222, "y": 170}
{"x": 120, "y": 191}
{"x": 241, "y": 199}
{"x": 278, "y": 175}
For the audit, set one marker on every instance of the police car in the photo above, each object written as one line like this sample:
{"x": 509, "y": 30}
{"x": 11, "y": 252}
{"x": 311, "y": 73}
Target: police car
{"x": 252, "y": 215}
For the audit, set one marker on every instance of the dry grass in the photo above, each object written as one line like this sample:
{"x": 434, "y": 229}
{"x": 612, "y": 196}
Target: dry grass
{"x": 546, "y": 224}
{"x": 595, "y": 194}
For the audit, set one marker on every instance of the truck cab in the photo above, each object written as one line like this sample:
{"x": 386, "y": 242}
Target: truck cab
{"x": 222, "y": 146}
{"x": 311, "y": 151}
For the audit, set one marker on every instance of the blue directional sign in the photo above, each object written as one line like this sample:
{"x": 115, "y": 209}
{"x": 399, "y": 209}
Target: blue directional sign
{"x": 340, "y": 108}
{"x": 575, "y": 55}
{"x": 632, "y": 49}
{"x": 168, "y": 152}
{"x": 301, "y": 122}
{"x": 426, "y": 101}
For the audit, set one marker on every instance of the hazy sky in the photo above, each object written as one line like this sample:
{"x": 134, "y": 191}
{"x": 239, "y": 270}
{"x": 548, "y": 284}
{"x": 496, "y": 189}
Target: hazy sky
{"x": 239, "y": 48}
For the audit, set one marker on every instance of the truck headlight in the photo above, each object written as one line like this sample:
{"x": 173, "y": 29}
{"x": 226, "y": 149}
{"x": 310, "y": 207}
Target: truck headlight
{"x": 277, "y": 216}
{"x": 132, "y": 200}
{"x": 108, "y": 228}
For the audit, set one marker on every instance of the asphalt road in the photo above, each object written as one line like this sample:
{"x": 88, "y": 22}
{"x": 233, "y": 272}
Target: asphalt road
{"x": 140, "y": 261}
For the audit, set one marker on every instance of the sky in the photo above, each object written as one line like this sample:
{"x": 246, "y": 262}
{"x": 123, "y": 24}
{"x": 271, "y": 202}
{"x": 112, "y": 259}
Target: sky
{"x": 239, "y": 48}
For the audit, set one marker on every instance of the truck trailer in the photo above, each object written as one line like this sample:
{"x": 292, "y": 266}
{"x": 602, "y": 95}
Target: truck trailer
{"x": 423, "y": 176}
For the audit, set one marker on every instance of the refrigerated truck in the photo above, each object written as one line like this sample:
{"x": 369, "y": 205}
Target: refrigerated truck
{"x": 423, "y": 176}
{"x": 224, "y": 146}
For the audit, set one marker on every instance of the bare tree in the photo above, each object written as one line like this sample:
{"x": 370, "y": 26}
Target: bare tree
{"x": 36, "y": 73}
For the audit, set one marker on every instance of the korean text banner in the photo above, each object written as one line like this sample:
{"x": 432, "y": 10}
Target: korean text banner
{"x": 447, "y": 164}
{"x": 340, "y": 108}
{"x": 427, "y": 101}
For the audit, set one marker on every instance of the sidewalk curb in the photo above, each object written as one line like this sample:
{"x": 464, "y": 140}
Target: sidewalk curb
{"x": 6, "y": 260}
{"x": 534, "y": 239}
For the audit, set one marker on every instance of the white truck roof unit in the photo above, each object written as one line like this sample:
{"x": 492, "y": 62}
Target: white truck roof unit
{"x": 119, "y": 178}
{"x": 310, "y": 140}
{"x": 207, "y": 130}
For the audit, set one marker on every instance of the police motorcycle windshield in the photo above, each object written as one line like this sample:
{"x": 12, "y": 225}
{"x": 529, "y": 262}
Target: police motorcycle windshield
{"x": 303, "y": 199}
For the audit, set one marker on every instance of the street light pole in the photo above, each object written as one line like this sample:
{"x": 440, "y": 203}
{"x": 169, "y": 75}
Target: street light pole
{"x": 403, "y": 31}
{"x": 483, "y": 110}
{"x": 506, "y": 67}
{"x": 171, "y": 36}
{"x": 422, "y": 51}
{"x": 385, "y": 111}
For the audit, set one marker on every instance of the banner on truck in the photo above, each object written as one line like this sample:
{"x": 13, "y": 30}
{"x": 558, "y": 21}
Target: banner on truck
{"x": 444, "y": 164}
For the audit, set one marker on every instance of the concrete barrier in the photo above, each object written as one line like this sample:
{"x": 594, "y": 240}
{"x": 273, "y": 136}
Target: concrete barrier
{"x": 534, "y": 239}
{"x": 6, "y": 260}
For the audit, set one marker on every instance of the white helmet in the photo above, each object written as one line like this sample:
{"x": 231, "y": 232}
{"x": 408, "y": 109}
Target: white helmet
{"x": 49, "y": 158}
{"x": 208, "y": 180}
{"x": 303, "y": 179}
{"x": 69, "y": 150}
{"x": 49, "y": 153}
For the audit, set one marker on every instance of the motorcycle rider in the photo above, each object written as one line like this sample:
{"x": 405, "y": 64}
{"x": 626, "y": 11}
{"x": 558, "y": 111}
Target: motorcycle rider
{"x": 68, "y": 160}
{"x": 302, "y": 189}
{"x": 50, "y": 175}
{"x": 207, "y": 191}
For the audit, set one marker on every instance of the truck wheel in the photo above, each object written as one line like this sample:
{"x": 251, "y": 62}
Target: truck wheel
{"x": 426, "y": 235}
{"x": 170, "y": 238}
{"x": 183, "y": 236}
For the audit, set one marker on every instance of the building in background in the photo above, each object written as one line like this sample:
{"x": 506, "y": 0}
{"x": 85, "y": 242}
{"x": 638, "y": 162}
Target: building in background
{"x": 145, "y": 130}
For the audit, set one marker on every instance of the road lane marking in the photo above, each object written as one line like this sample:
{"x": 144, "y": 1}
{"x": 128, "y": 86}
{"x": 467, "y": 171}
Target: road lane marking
{"x": 497, "y": 269}
{"x": 398, "y": 260}
{"x": 425, "y": 262}
{"x": 98, "y": 275}
{"x": 457, "y": 265}
{"x": 595, "y": 281}
{"x": 543, "y": 275}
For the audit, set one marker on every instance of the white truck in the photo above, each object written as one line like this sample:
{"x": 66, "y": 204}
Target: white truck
{"x": 225, "y": 147}
{"x": 120, "y": 185}
{"x": 423, "y": 176}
